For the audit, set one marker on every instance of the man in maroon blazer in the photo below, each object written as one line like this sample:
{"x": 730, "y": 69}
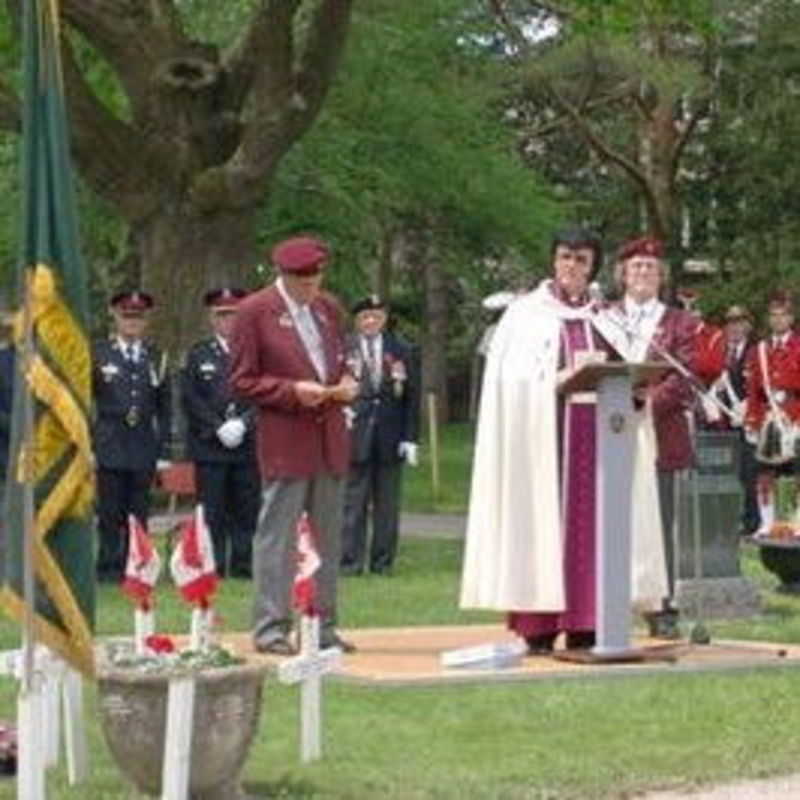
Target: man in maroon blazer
{"x": 287, "y": 359}
{"x": 654, "y": 328}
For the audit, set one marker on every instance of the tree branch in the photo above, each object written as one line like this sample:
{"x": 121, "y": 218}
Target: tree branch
{"x": 131, "y": 38}
{"x": 589, "y": 106}
{"x": 267, "y": 45}
{"x": 284, "y": 106}
{"x": 685, "y": 135}
{"x": 606, "y": 152}
{"x": 508, "y": 26}
{"x": 104, "y": 145}
{"x": 319, "y": 59}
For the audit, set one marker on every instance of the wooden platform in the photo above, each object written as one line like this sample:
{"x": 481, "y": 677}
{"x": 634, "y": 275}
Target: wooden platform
{"x": 411, "y": 656}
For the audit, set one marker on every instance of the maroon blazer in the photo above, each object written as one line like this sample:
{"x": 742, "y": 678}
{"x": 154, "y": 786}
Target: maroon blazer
{"x": 267, "y": 358}
{"x": 673, "y": 395}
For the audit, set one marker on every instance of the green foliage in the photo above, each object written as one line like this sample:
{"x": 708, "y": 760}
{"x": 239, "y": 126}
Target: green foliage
{"x": 455, "y": 467}
{"x": 392, "y": 146}
{"x": 9, "y": 213}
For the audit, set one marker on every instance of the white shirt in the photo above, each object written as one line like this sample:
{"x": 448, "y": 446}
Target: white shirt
{"x": 643, "y": 319}
{"x": 307, "y": 329}
{"x": 373, "y": 360}
{"x": 129, "y": 350}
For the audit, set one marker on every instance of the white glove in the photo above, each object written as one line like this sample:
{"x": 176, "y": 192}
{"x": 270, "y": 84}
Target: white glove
{"x": 231, "y": 432}
{"x": 162, "y": 464}
{"x": 408, "y": 451}
{"x": 349, "y": 416}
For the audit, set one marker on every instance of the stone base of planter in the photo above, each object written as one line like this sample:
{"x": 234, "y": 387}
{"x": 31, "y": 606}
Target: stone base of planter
{"x": 133, "y": 712}
{"x": 717, "y": 598}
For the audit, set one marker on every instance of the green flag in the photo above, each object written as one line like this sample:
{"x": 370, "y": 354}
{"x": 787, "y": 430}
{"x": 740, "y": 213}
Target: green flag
{"x": 56, "y": 460}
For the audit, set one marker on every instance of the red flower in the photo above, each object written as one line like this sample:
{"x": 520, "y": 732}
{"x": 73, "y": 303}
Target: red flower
{"x": 160, "y": 644}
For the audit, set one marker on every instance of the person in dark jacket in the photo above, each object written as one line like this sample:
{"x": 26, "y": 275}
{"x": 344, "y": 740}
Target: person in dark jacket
{"x": 220, "y": 441}
{"x": 131, "y": 427}
{"x": 385, "y": 420}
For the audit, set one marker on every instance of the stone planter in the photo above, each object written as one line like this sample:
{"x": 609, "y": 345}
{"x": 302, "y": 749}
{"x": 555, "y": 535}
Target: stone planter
{"x": 782, "y": 559}
{"x": 133, "y": 713}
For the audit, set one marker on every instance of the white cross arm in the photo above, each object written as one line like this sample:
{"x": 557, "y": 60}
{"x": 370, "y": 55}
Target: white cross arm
{"x": 302, "y": 667}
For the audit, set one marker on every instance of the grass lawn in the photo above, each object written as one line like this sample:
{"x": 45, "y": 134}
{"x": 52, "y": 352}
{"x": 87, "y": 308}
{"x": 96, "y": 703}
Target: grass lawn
{"x": 455, "y": 460}
{"x": 573, "y": 739}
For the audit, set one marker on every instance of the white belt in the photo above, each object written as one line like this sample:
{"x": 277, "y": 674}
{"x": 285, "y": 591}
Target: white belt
{"x": 583, "y": 397}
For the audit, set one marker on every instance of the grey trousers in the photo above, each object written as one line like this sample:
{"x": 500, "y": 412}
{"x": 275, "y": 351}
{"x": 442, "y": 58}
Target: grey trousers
{"x": 275, "y": 546}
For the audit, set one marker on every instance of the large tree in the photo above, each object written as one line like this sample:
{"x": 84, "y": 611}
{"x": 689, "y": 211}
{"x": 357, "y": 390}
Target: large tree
{"x": 186, "y": 143}
{"x": 631, "y": 78}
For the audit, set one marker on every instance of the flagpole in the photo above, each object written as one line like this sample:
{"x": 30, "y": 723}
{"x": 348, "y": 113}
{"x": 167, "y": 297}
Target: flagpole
{"x": 26, "y": 453}
{"x": 30, "y": 713}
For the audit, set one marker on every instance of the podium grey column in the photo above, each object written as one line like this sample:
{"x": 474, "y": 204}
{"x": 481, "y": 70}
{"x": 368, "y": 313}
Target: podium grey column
{"x": 615, "y": 450}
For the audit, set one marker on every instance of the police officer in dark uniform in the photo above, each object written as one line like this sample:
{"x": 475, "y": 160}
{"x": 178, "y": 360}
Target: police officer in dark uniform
{"x": 385, "y": 419}
{"x": 132, "y": 425}
{"x": 221, "y": 441}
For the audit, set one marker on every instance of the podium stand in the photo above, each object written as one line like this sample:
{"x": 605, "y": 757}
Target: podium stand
{"x": 613, "y": 382}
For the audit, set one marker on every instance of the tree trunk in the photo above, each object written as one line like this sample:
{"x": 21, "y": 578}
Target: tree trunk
{"x": 434, "y": 341}
{"x": 182, "y": 257}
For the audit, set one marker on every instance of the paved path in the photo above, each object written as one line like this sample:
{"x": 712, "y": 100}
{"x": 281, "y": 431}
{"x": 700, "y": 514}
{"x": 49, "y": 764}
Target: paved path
{"x": 435, "y": 526}
{"x": 768, "y": 789}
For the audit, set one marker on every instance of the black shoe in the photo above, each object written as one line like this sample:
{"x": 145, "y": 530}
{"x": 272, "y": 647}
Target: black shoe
{"x": 663, "y": 624}
{"x": 385, "y": 571}
{"x": 337, "y": 641}
{"x": 280, "y": 646}
{"x": 580, "y": 640}
{"x": 542, "y": 644}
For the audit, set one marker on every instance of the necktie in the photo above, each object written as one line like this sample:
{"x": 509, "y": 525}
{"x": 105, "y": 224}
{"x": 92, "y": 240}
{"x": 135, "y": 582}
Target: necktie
{"x": 311, "y": 339}
{"x": 371, "y": 361}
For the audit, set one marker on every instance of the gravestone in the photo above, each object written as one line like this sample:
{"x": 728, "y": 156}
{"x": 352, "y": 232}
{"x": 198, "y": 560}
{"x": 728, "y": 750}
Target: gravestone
{"x": 708, "y": 519}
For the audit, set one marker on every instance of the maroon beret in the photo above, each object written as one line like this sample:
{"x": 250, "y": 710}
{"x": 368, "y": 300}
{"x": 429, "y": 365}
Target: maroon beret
{"x": 134, "y": 300}
{"x": 643, "y": 246}
{"x": 299, "y": 254}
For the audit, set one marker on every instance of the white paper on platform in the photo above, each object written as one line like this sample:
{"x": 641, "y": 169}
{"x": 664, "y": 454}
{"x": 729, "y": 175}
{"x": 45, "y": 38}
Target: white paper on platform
{"x": 495, "y": 655}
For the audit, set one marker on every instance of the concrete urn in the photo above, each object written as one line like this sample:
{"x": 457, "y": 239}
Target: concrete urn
{"x": 227, "y": 707}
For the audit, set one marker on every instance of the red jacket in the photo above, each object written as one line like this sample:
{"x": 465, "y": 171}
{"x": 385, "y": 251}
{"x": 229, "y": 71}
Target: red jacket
{"x": 783, "y": 369}
{"x": 267, "y": 358}
{"x": 673, "y": 395}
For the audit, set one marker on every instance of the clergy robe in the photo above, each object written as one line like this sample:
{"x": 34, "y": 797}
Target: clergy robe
{"x": 529, "y": 544}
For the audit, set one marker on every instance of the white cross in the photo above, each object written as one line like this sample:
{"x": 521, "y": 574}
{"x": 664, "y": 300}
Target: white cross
{"x": 308, "y": 669}
{"x": 55, "y": 688}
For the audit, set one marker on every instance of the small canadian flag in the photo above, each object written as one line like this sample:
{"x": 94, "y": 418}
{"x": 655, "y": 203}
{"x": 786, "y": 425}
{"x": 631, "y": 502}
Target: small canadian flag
{"x": 308, "y": 562}
{"x": 192, "y": 565}
{"x": 143, "y": 566}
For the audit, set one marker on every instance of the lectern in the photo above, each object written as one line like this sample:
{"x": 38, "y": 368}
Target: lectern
{"x": 613, "y": 382}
